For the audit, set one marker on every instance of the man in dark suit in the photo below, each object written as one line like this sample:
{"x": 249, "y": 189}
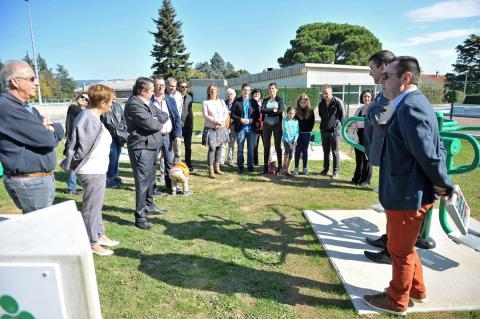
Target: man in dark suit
{"x": 171, "y": 132}
{"x": 245, "y": 114}
{"x": 376, "y": 120}
{"x": 412, "y": 175}
{"x": 187, "y": 121}
{"x": 144, "y": 123}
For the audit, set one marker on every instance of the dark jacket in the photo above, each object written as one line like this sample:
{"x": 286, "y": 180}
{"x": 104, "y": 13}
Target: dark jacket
{"x": 237, "y": 113}
{"x": 376, "y": 119}
{"x": 331, "y": 115}
{"x": 26, "y": 146}
{"x": 306, "y": 125}
{"x": 187, "y": 112}
{"x": 144, "y": 122}
{"x": 269, "y": 113}
{"x": 114, "y": 121}
{"x": 83, "y": 139}
{"x": 72, "y": 112}
{"x": 413, "y": 157}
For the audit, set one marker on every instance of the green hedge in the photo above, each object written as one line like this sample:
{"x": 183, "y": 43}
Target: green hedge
{"x": 472, "y": 99}
{"x": 290, "y": 95}
{"x": 457, "y": 95}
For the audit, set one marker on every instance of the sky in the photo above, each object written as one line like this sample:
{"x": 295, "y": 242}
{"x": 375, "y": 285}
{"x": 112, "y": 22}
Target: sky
{"x": 110, "y": 39}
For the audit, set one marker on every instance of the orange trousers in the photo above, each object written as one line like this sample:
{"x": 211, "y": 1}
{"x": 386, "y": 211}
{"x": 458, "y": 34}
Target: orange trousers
{"x": 403, "y": 227}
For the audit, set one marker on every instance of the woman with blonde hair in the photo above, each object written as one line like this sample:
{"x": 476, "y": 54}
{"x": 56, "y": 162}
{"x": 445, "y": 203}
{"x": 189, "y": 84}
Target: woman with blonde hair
{"x": 306, "y": 121}
{"x": 214, "y": 132}
{"x": 88, "y": 156}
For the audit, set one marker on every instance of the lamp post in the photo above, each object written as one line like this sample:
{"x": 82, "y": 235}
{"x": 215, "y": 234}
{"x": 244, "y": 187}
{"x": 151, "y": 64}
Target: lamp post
{"x": 33, "y": 50}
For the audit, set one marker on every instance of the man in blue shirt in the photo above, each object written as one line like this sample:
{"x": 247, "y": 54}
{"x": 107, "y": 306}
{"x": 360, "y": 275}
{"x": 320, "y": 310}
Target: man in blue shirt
{"x": 27, "y": 141}
{"x": 244, "y": 114}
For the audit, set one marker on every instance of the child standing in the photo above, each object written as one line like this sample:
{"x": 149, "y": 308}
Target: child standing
{"x": 290, "y": 135}
{"x": 179, "y": 175}
{"x": 306, "y": 121}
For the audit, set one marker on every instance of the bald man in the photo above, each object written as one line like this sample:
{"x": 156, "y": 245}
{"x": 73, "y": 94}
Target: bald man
{"x": 27, "y": 141}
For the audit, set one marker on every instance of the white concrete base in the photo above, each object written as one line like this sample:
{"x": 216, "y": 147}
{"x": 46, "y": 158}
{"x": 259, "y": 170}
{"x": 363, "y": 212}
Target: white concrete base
{"x": 451, "y": 271}
{"x": 49, "y": 248}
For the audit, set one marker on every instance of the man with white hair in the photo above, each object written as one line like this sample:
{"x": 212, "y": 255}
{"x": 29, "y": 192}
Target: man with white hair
{"x": 233, "y": 137}
{"x": 27, "y": 141}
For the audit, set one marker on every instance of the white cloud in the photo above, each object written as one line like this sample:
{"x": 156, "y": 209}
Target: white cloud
{"x": 444, "y": 53}
{"x": 446, "y": 10}
{"x": 438, "y": 36}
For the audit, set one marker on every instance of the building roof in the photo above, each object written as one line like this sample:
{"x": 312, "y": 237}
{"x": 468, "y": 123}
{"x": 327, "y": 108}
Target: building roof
{"x": 293, "y": 70}
{"x": 433, "y": 78}
{"x": 116, "y": 85}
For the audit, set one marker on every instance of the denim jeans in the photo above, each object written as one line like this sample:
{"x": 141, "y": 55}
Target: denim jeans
{"x": 303, "y": 142}
{"x": 30, "y": 194}
{"x": 250, "y": 138}
{"x": 115, "y": 151}
{"x": 71, "y": 182}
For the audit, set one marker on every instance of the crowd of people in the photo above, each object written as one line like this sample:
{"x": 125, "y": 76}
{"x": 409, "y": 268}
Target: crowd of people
{"x": 400, "y": 135}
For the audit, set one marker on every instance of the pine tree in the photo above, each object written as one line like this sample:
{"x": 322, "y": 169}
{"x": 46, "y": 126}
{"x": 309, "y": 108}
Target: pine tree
{"x": 169, "y": 49}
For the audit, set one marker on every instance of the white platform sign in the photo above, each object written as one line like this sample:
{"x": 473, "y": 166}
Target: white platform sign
{"x": 33, "y": 289}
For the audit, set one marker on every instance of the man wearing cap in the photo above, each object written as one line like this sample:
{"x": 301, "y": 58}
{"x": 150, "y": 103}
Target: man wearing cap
{"x": 27, "y": 141}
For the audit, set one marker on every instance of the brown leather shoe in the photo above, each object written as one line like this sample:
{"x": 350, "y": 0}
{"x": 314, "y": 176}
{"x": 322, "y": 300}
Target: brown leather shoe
{"x": 380, "y": 302}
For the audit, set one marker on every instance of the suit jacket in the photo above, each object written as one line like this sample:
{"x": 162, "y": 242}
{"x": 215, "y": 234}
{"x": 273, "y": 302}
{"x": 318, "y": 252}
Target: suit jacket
{"x": 174, "y": 117}
{"x": 238, "y": 113}
{"x": 413, "y": 157}
{"x": 144, "y": 122}
{"x": 376, "y": 119}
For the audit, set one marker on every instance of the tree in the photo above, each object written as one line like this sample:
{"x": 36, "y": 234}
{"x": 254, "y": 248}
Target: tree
{"x": 331, "y": 43}
{"x": 218, "y": 68}
{"x": 66, "y": 84}
{"x": 467, "y": 66}
{"x": 168, "y": 49}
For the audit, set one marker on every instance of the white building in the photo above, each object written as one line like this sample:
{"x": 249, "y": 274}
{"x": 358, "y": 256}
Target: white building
{"x": 305, "y": 75}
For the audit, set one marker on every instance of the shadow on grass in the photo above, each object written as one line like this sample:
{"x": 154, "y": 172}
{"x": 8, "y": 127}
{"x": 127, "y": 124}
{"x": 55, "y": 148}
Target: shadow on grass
{"x": 268, "y": 242}
{"x": 201, "y": 273}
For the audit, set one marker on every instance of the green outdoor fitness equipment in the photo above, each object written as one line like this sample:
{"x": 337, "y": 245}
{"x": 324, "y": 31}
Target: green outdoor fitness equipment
{"x": 451, "y": 140}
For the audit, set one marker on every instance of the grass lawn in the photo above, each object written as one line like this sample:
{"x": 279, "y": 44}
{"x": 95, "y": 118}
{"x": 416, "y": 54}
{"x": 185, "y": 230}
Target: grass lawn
{"x": 238, "y": 248}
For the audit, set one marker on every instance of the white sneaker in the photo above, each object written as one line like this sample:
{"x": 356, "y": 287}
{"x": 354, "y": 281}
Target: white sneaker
{"x": 305, "y": 171}
{"x": 295, "y": 171}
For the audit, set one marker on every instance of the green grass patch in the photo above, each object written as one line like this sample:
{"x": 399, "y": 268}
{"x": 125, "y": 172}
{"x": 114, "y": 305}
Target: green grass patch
{"x": 238, "y": 248}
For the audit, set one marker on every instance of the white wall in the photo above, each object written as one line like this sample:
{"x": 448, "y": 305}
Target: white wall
{"x": 338, "y": 76}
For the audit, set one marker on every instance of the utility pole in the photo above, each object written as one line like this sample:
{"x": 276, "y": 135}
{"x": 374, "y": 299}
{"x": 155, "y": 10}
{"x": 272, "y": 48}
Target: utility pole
{"x": 33, "y": 50}
{"x": 465, "y": 85}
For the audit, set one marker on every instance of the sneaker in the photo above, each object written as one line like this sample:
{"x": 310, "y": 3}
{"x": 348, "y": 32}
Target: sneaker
{"x": 335, "y": 176}
{"x": 117, "y": 179}
{"x": 75, "y": 192}
{"x": 419, "y": 297}
{"x": 380, "y": 302}
{"x": 324, "y": 172}
{"x": 108, "y": 243}
{"x": 189, "y": 193}
{"x": 305, "y": 171}
{"x": 111, "y": 184}
{"x": 295, "y": 171}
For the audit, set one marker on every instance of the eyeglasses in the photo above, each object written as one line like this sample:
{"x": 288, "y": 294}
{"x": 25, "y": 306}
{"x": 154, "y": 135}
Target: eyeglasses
{"x": 32, "y": 79}
{"x": 84, "y": 98}
{"x": 183, "y": 86}
{"x": 386, "y": 76}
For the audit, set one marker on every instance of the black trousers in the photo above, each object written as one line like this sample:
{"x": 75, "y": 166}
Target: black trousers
{"x": 255, "y": 150}
{"x": 187, "y": 141}
{"x": 276, "y": 130}
{"x": 143, "y": 166}
{"x": 330, "y": 143}
{"x": 363, "y": 170}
